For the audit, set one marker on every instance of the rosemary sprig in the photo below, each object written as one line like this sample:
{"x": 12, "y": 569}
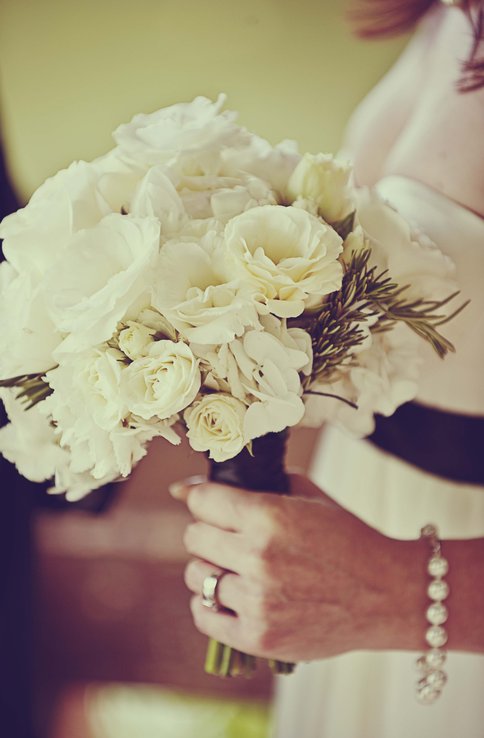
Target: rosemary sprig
{"x": 336, "y": 326}
{"x": 34, "y": 387}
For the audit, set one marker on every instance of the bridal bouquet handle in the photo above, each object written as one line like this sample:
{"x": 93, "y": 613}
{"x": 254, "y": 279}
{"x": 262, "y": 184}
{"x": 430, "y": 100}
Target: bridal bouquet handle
{"x": 260, "y": 470}
{"x": 198, "y": 280}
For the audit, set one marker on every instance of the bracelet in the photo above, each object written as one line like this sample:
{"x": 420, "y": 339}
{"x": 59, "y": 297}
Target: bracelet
{"x": 432, "y": 676}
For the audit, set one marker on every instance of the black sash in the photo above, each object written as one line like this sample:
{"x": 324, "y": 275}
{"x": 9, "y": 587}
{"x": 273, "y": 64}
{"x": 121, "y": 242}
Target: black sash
{"x": 438, "y": 442}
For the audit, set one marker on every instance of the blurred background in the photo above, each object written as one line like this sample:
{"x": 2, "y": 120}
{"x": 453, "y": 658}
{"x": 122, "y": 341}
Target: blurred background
{"x": 116, "y": 654}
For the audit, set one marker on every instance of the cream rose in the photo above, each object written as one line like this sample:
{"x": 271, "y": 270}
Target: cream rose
{"x": 320, "y": 179}
{"x": 163, "y": 382}
{"x": 216, "y": 424}
{"x": 135, "y": 340}
{"x": 287, "y": 254}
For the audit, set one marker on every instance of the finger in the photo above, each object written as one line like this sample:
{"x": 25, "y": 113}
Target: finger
{"x": 302, "y": 486}
{"x": 229, "y": 591}
{"x": 179, "y": 490}
{"x": 216, "y": 546}
{"x": 221, "y": 505}
{"x": 222, "y": 626}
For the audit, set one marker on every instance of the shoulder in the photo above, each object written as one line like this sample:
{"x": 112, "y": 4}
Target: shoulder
{"x": 415, "y": 123}
{"x": 442, "y": 144}
{"x": 383, "y": 114}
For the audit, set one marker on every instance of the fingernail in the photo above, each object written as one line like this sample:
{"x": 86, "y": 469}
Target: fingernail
{"x": 175, "y": 489}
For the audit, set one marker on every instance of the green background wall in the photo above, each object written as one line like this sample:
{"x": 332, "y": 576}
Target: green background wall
{"x": 72, "y": 70}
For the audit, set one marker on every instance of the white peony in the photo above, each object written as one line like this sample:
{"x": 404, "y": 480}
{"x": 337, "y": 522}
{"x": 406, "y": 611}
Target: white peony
{"x": 196, "y": 130}
{"x": 272, "y": 164}
{"x": 216, "y": 424}
{"x": 156, "y": 196}
{"x": 289, "y": 256}
{"x": 252, "y": 192}
{"x": 323, "y": 181}
{"x": 222, "y": 196}
{"x": 162, "y": 383}
{"x": 192, "y": 289}
{"x": 28, "y": 336}
{"x": 99, "y": 277}
{"x": 35, "y": 236}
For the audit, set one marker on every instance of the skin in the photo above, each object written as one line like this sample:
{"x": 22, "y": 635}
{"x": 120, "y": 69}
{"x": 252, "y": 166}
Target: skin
{"x": 307, "y": 579}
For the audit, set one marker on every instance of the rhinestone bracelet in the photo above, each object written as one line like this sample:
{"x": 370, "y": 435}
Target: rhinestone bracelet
{"x": 430, "y": 664}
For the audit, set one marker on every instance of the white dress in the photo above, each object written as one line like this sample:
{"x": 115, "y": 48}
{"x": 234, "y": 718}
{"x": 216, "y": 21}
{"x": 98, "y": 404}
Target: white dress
{"x": 372, "y": 695}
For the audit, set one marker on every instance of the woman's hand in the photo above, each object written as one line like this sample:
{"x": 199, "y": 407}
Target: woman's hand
{"x": 307, "y": 579}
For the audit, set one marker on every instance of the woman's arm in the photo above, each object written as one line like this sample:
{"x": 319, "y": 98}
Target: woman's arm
{"x": 310, "y": 580}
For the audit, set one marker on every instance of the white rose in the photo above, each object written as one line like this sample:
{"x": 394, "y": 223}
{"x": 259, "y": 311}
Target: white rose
{"x": 135, "y": 339}
{"x": 36, "y": 235}
{"x": 162, "y": 383}
{"x": 95, "y": 379}
{"x": 194, "y": 293}
{"x": 216, "y": 424}
{"x": 92, "y": 422}
{"x": 320, "y": 179}
{"x": 288, "y": 254}
{"x": 100, "y": 275}
{"x": 196, "y": 129}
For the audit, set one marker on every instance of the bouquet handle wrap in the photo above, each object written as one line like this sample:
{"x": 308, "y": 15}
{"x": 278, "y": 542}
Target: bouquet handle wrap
{"x": 262, "y": 470}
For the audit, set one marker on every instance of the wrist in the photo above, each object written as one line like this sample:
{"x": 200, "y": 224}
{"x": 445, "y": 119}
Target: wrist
{"x": 399, "y": 620}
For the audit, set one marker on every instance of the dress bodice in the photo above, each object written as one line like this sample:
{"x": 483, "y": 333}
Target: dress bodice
{"x": 456, "y": 383}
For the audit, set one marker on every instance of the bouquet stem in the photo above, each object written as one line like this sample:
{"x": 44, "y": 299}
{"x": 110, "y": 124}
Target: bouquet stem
{"x": 260, "y": 470}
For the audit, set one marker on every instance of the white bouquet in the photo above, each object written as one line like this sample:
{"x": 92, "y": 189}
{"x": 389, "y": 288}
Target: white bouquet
{"x": 197, "y": 279}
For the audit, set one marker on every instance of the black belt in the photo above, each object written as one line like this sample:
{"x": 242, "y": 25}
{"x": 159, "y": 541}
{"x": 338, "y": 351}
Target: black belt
{"x": 446, "y": 444}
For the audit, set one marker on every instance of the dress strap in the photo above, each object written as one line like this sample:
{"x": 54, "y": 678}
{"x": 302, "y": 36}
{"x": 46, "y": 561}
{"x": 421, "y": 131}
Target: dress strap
{"x": 445, "y": 444}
